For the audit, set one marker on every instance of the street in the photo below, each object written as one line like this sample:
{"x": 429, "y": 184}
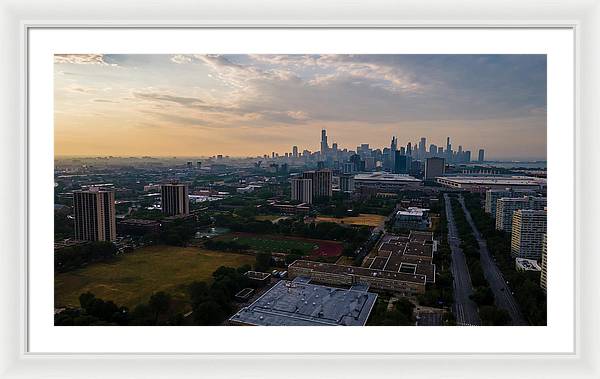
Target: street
{"x": 465, "y": 309}
{"x": 502, "y": 293}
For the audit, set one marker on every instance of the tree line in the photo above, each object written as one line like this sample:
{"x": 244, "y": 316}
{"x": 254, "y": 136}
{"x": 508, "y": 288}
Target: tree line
{"x": 440, "y": 293}
{"x": 482, "y": 293}
{"x": 524, "y": 284}
{"x": 211, "y": 304}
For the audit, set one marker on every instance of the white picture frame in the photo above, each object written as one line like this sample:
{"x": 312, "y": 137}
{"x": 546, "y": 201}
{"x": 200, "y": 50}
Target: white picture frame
{"x": 17, "y": 17}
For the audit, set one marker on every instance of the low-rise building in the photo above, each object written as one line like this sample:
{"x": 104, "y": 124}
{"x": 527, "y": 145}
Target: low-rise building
{"x": 329, "y": 273}
{"x": 413, "y": 218}
{"x": 524, "y": 264}
{"x": 300, "y": 303}
{"x": 485, "y": 182}
{"x": 385, "y": 182}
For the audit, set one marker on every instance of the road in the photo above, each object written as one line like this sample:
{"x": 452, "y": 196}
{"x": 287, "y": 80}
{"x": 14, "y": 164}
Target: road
{"x": 502, "y": 293}
{"x": 465, "y": 309}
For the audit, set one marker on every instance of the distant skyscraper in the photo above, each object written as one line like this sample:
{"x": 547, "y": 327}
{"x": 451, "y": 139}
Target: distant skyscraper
{"x": 434, "y": 167}
{"x": 174, "y": 199}
{"x": 393, "y": 149}
{"x": 402, "y": 164}
{"x": 94, "y": 215}
{"x": 409, "y": 149}
{"x": 358, "y": 163}
{"x": 481, "y": 156}
{"x": 302, "y": 190}
{"x": 432, "y": 150}
{"x": 324, "y": 146}
{"x": 348, "y": 168}
{"x": 394, "y": 144}
{"x": 347, "y": 183}
{"x": 295, "y": 151}
{"x": 321, "y": 182}
{"x": 448, "y": 150}
{"x": 369, "y": 163}
{"x": 422, "y": 149}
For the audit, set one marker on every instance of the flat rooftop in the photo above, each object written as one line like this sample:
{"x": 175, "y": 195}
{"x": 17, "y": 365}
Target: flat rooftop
{"x": 495, "y": 180}
{"x": 333, "y": 268}
{"x": 385, "y": 177}
{"x": 303, "y": 304}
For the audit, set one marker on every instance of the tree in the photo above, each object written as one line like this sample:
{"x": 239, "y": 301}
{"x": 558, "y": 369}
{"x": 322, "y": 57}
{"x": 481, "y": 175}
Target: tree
{"x": 85, "y": 300}
{"x": 208, "y": 313}
{"x": 142, "y": 315}
{"x": 491, "y": 315}
{"x": 483, "y": 296}
{"x": 159, "y": 304}
{"x": 263, "y": 261}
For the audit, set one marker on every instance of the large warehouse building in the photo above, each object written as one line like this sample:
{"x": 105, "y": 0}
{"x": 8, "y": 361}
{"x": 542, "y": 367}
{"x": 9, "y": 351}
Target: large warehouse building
{"x": 400, "y": 282}
{"x": 485, "y": 182}
{"x": 299, "y": 303}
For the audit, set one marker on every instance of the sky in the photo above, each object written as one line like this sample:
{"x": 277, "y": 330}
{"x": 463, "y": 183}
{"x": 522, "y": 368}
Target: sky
{"x": 251, "y": 105}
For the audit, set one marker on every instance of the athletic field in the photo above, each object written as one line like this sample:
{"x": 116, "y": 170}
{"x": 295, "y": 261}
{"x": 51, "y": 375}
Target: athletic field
{"x": 361, "y": 219}
{"x": 134, "y": 277}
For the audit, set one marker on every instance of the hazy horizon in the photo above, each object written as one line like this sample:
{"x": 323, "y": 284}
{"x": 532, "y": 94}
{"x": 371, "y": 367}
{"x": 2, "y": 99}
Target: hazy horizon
{"x": 251, "y": 105}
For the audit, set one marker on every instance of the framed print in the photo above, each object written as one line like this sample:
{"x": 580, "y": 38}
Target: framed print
{"x": 382, "y": 194}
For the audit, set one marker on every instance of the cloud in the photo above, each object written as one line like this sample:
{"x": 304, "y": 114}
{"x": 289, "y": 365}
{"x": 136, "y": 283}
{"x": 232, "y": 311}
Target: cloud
{"x": 105, "y": 101}
{"x": 180, "y": 59}
{"x": 97, "y": 59}
{"x": 161, "y": 97}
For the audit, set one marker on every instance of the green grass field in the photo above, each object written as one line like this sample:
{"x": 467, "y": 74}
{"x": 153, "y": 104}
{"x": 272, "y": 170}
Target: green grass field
{"x": 273, "y": 245}
{"x": 134, "y": 277}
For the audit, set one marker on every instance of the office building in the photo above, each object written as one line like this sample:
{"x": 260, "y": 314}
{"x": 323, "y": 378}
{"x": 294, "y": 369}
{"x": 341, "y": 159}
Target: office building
{"x": 348, "y": 168}
{"x": 422, "y": 148}
{"x": 324, "y": 146}
{"x": 401, "y": 163}
{"x": 528, "y": 229}
{"x": 321, "y": 183}
{"x": 347, "y": 183}
{"x": 544, "y": 275}
{"x": 302, "y": 190}
{"x": 507, "y": 206}
{"x": 174, "y": 199}
{"x": 492, "y": 196}
{"x": 94, "y": 211}
{"x": 369, "y": 163}
{"x": 295, "y": 151}
{"x": 481, "y": 156}
{"x": 434, "y": 167}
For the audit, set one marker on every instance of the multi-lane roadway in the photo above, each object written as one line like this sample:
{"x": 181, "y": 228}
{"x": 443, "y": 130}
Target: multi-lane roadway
{"x": 464, "y": 309}
{"x": 502, "y": 293}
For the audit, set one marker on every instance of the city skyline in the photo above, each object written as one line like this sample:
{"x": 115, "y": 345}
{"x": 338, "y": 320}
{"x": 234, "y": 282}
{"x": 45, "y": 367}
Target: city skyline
{"x": 244, "y": 105}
